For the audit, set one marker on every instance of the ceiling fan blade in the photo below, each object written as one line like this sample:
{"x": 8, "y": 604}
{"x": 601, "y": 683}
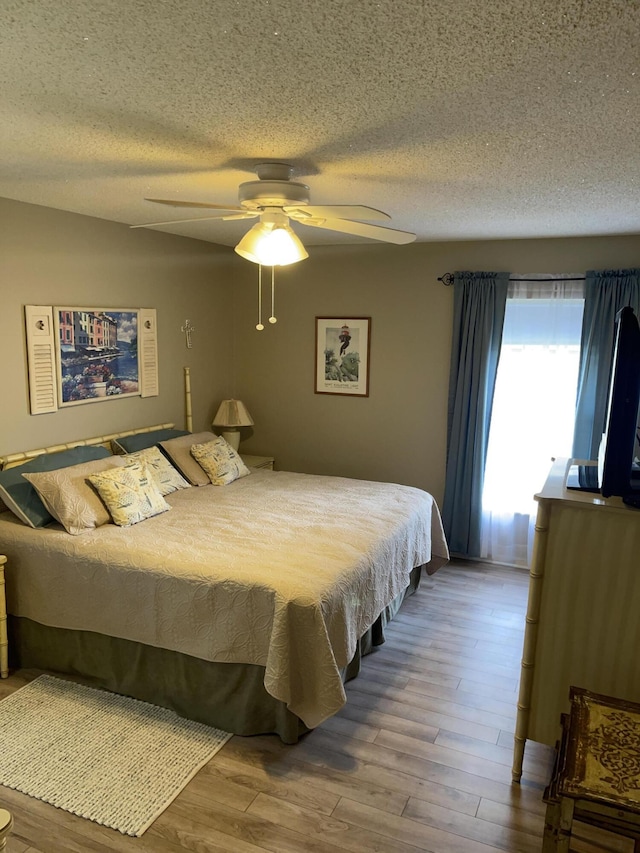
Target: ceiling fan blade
{"x": 177, "y": 203}
{"x": 337, "y": 211}
{"x": 246, "y": 215}
{"x": 180, "y": 221}
{"x": 361, "y": 229}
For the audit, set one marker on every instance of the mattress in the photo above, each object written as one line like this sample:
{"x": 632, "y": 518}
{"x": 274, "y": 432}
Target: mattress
{"x": 278, "y": 569}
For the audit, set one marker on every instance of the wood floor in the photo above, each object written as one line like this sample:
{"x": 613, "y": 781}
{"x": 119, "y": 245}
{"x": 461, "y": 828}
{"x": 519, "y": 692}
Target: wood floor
{"x": 418, "y": 760}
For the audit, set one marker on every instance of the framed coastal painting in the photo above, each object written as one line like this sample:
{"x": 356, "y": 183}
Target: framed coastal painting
{"x": 97, "y": 354}
{"x": 342, "y": 355}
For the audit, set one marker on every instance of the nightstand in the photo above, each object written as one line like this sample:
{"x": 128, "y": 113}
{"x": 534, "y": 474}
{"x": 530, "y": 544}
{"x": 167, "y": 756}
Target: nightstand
{"x": 258, "y": 461}
{"x": 4, "y": 640}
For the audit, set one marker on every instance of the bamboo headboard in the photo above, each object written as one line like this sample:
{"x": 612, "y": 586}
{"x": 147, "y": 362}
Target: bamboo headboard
{"x": 14, "y": 459}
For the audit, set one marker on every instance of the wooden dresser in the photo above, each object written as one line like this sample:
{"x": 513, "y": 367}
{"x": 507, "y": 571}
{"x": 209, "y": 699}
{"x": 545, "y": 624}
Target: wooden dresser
{"x": 583, "y": 614}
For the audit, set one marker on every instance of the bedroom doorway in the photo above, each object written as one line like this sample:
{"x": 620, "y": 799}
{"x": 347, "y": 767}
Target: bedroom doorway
{"x": 533, "y": 410}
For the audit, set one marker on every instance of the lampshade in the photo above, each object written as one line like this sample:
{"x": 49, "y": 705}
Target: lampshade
{"x": 272, "y": 242}
{"x": 232, "y": 414}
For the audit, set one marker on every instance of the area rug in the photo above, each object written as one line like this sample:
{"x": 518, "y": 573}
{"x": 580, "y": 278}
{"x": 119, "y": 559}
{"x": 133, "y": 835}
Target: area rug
{"x": 110, "y": 759}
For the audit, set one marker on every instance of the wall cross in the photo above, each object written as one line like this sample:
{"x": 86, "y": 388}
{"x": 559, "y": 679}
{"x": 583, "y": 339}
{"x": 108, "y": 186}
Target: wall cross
{"x": 188, "y": 329}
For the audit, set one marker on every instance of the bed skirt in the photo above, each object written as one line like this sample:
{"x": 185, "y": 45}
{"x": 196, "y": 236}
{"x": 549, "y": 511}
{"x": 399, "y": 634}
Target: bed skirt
{"x": 229, "y": 696}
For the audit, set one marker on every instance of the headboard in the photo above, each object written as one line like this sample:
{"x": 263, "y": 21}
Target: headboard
{"x": 13, "y": 459}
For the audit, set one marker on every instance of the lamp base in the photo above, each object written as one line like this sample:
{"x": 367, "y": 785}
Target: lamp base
{"x": 232, "y": 437}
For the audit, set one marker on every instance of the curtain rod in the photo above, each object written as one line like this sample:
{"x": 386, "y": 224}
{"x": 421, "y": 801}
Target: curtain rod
{"x": 447, "y": 279}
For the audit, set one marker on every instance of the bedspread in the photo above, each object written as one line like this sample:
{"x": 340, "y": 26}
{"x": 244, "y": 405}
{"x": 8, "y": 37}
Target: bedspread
{"x": 278, "y": 569}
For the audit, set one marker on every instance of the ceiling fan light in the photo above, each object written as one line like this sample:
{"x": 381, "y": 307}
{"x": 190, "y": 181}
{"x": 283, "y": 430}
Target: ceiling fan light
{"x": 248, "y": 246}
{"x": 272, "y": 245}
{"x": 280, "y": 247}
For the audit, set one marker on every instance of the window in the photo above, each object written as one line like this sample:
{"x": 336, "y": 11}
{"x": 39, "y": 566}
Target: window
{"x": 533, "y": 410}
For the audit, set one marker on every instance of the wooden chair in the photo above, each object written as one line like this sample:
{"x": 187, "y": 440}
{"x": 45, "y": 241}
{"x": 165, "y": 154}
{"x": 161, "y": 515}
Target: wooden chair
{"x": 6, "y": 822}
{"x": 596, "y": 775}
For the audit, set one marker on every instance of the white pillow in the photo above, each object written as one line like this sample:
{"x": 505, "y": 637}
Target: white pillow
{"x": 68, "y": 496}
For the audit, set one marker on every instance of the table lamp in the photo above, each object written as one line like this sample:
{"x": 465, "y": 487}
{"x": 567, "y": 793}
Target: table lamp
{"x": 231, "y": 415}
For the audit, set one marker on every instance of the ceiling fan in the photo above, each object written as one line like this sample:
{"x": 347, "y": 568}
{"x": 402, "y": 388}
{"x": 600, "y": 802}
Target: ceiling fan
{"x": 276, "y": 199}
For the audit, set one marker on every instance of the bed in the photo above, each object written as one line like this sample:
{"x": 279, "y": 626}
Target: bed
{"x": 245, "y": 606}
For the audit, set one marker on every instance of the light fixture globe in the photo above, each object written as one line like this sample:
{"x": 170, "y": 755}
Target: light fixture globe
{"x": 247, "y": 247}
{"x": 280, "y": 247}
{"x": 272, "y": 242}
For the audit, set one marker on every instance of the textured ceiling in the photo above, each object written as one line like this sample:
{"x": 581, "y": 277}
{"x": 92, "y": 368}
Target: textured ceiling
{"x": 476, "y": 119}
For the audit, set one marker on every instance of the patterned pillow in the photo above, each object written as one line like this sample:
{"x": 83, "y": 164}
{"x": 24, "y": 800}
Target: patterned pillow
{"x": 70, "y": 499}
{"x": 130, "y": 494}
{"x": 220, "y": 461}
{"x": 165, "y": 476}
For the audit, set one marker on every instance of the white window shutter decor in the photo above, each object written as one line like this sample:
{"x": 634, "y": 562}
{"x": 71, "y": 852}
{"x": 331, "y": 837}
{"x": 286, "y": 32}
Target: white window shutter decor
{"x": 41, "y": 355}
{"x": 148, "y": 353}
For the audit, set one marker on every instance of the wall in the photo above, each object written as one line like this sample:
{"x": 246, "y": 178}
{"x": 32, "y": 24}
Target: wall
{"x": 49, "y": 257}
{"x": 398, "y": 433}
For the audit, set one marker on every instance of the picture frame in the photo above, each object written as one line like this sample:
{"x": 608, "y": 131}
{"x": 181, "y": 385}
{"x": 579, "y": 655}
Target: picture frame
{"x": 97, "y": 354}
{"x": 342, "y": 356}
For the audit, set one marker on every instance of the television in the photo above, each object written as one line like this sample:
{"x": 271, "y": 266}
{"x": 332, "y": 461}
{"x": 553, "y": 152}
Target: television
{"x": 618, "y": 468}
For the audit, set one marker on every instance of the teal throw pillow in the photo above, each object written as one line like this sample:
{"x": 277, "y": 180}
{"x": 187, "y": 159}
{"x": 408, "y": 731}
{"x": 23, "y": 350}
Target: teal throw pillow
{"x": 142, "y": 440}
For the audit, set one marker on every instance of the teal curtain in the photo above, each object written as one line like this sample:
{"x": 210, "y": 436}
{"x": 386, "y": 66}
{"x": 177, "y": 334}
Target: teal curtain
{"x": 479, "y": 300}
{"x": 605, "y": 293}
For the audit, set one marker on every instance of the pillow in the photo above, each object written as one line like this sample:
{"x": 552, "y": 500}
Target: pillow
{"x": 131, "y": 443}
{"x": 220, "y": 461}
{"x": 70, "y": 499}
{"x": 179, "y": 452}
{"x": 167, "y": 478}
{"x": 20, "y": 496}
{"x": 130, "y": 494}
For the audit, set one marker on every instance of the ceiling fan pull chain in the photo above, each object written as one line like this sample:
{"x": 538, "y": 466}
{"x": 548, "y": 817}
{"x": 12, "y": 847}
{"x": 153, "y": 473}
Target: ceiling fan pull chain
{"x": 272, "y": 318}
{"x": 259, "y": 325}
